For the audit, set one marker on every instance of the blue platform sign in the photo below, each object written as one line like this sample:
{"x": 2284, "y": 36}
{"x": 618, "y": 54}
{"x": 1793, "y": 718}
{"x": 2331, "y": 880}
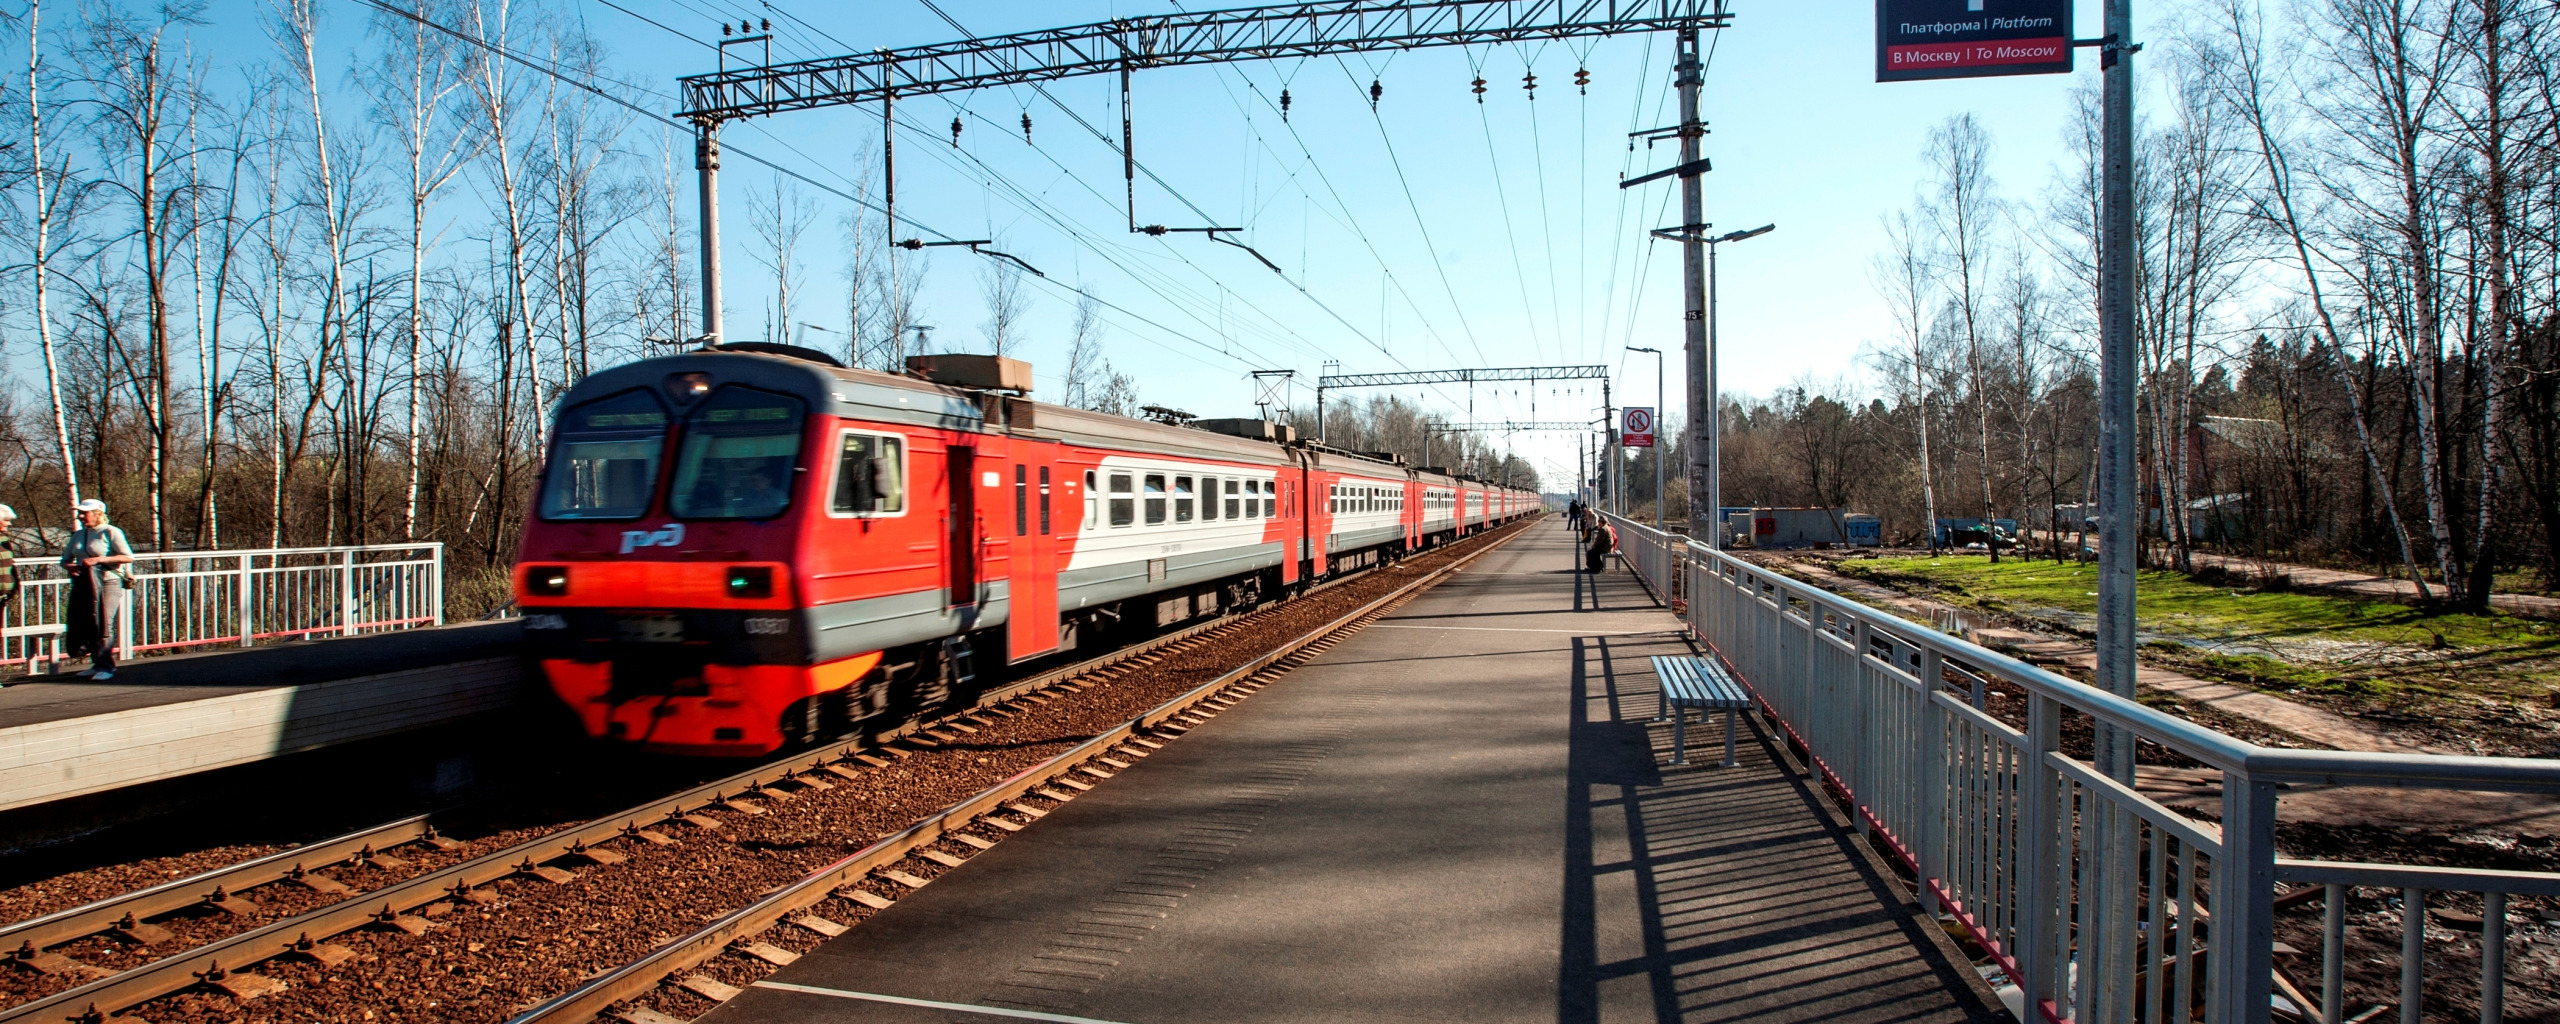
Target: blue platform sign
{"x": 1924, "y": 39}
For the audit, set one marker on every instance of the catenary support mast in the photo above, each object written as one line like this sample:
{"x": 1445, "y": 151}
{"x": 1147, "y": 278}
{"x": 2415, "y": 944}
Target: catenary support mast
{"x": 706, "y": 161}
{"x": 1696, "y": 345}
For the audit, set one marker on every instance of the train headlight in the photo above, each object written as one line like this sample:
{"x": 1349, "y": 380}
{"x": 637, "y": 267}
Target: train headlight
{"x": 686, "y": 388}
{"x": 546, "y": 581}
{"x": 750, "y": 581}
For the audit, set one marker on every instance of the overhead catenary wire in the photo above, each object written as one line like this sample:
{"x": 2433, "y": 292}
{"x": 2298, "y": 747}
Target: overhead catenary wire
{"x": 1300, "y": 287}
{"x": 1028, "y": 204}
{"x": 556, "y": 74}
{"x": 1455, "y": 307}
{"x": 1186, "y": 202}
{"x": 1502, "y": 199}
{"x": 1546, "y": 219}
{"x": 1351, "y": 222}
{"x": 1079, "y": 118}
{"x": 994, "y": 179}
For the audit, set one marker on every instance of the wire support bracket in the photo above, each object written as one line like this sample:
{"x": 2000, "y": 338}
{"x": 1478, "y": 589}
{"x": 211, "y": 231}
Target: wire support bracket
{"x": 1691, "y": 169}
{"x": 976, "y": 245}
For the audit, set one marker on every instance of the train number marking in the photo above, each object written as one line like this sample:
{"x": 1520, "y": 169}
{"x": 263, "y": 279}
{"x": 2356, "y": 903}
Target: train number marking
{"x": 765, "y": 626}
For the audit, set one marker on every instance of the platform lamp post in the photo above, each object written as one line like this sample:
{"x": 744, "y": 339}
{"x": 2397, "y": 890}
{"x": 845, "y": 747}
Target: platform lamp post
{"x": 1661, "y": 501}
{"x": 1715, "y": 400}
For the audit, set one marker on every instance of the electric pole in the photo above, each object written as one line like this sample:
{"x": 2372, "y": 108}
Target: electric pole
{"x": 1693, "y": 284}
{"x": 2118, "y": 518}
{"x": 706, "y": 161}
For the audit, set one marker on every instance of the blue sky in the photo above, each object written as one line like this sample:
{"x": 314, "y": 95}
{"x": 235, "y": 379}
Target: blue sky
{"x": 1437, "y": 232}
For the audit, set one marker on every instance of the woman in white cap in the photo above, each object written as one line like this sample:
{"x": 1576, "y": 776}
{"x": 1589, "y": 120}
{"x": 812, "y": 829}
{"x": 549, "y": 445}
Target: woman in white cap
{"x": 100, "y": 563}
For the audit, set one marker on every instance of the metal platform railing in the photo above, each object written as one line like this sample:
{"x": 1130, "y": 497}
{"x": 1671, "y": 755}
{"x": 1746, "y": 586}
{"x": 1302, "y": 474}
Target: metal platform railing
{"x": 2100, "y": 903}
{"x": 237, "y": 598}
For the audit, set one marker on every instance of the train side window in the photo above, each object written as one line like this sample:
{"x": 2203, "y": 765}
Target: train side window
{"x": 1231, "y": 499}
{"x": 1270, "y": 499}
{"x": 1021, "y": 499}
{"x": 1155, "y": 499}
{"x": 1044, "y": 499}
{"x": 1182, "y": 499}
{"x": 1124, "y": 509}
{"x": 871, "y": 471}
{"x": 1092, "y": 502}
{"x": 1208, "y": 498}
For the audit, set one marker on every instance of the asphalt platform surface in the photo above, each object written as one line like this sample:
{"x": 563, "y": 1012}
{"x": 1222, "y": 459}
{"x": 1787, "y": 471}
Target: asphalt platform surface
{"x": 1463, "y": 812}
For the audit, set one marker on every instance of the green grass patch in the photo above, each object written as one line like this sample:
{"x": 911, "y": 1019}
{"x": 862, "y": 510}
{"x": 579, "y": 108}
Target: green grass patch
{"x": 2172, "y": 604}
{"x": 2266, "y": 673}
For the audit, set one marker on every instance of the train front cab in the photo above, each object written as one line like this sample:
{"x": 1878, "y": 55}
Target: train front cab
{"x": 718, "y": 564}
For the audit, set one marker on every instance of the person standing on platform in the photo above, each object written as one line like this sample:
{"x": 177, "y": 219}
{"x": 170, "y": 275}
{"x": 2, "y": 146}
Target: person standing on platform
{"x": 8, "y": 556}
{"x": 100, "y": 564}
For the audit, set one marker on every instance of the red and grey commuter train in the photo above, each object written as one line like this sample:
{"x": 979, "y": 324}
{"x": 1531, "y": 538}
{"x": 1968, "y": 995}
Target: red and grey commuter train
{"x": 739, "y": 548}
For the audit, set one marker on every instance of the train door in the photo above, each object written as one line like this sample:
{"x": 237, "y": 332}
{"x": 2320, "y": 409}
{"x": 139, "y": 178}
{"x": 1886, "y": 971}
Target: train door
{"x": 1318, "y": 501}
{"x": 960, "y": 525}
{"x": 1032, "y": 622}
{"x": 1290, "y": 529}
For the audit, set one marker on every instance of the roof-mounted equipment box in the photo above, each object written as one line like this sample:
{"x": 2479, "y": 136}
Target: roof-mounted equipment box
{"x": 987, "y": 373}
{"x": 1259, "y": 430}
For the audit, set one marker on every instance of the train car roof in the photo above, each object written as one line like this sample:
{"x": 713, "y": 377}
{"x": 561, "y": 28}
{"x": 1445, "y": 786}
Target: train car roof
{"x": 877, "y": 397}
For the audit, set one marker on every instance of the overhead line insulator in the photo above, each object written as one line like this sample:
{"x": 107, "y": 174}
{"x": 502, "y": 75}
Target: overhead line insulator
{"x": 1284, "y": 103}
{"x": 1582, "y": 80}
{"x": 1376, "y": 90}
{"x": 1479, "y": 88}
{"x": 955, "y": 132}
{"x": 1026, "y": 126}
{"x": 1530, "y": 82}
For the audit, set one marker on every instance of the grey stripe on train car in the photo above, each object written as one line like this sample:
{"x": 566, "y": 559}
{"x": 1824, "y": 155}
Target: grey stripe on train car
{"x": 1357, "y": 539}
{"x": 848, "y": 628}
{"x": 1084, "y": 588}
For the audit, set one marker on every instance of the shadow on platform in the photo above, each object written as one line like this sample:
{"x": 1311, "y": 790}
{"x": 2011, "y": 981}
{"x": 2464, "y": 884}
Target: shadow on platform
{"x": 1757, "y": 903}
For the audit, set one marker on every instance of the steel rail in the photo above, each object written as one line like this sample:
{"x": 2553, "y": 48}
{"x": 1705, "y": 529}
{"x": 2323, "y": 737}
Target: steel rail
{"x": 183, "y": 970}
{"x": 91, "y": 918}
{"x": 590, "y": 1000}
{"x": 103, "y": 915}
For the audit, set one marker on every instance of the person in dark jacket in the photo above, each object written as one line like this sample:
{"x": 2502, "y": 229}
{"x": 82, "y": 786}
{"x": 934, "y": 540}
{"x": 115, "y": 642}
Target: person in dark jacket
{"x": 1595, "y": 555}
{"x": 100, "y": 563}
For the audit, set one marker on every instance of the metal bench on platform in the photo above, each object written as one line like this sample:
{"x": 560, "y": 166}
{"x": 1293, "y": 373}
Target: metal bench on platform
{"x": 1697, "y": 683}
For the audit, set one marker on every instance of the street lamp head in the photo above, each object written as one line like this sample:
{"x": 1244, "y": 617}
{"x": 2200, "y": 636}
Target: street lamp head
{"x": 1640, "y": 348}
{"x": 1740, "y": 235}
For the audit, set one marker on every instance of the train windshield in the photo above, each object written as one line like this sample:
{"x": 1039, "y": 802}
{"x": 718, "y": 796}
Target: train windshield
{"x": 739, "y": 450}
{"x": 605, "y": 461}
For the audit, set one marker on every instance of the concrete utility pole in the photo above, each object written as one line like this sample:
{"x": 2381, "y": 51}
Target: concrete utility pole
{"x": 1693, "y": 274}
{"x": 1609, "y": 468}
{"x": 706, "y": 161}
{"x": 2118, "y": 519}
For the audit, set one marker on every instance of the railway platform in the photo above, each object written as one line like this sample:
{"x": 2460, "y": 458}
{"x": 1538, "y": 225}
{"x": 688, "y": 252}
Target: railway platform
{"x": 1463, "y": 812}
{"x": 168, "y": 717}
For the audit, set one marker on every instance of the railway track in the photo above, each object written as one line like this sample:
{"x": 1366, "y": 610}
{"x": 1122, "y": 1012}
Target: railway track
{"x": 605, "y": 910}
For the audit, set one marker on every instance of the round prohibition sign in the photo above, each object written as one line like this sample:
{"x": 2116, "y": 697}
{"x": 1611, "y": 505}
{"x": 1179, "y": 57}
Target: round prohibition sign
{"x": 1639, "y": 421}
